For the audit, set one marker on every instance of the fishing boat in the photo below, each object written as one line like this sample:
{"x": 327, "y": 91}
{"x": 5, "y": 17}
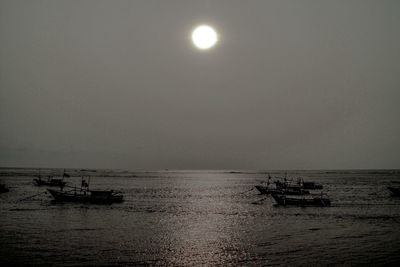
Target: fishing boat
{"x": 84, "y": 194}
{"x": 395, "y": 190}
{"x": 87, "y": 196}
{"x": 266, "y": 190}
{"x": 284, "y": 187}
{"x": 317, "y": 201}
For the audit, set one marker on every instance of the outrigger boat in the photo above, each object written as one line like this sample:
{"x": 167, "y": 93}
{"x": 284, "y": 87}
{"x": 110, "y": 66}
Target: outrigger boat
{"x": 315, "y": 201}
{"x": 86, "y": 196}
{"x": 284, "y": 187}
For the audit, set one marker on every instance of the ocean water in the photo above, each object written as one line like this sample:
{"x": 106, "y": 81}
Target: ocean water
{"x": 200, "y": 218}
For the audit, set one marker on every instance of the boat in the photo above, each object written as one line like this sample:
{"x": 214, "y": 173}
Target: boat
{"x": 284, "y": 187}
{"x": 266, "y": 190}
{"x": 317, "y": 201}
{"x": 87, "y": 196}
{"x": 395, "y": 190}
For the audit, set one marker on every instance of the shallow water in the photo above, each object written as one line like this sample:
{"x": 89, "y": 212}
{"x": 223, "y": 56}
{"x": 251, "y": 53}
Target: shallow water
{"x": 200, "y": 218}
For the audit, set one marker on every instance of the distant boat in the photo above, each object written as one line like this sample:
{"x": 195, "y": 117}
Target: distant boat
{"x": 395, "y": 190}
{"x": 87, "y": 196}
{"x": 315, "y": 201}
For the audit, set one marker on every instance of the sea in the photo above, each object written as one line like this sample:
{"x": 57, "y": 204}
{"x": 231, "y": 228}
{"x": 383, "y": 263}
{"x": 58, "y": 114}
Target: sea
{"x": 207, "y": 218}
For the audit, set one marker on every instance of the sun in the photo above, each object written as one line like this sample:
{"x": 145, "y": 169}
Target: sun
{"x": 204, "y": 37}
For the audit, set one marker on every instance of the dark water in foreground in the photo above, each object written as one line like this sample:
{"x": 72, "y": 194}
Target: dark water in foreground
{"x": 201, "y": 218}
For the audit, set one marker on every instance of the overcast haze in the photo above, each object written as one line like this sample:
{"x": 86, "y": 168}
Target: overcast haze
{"x": 118, "y": 84}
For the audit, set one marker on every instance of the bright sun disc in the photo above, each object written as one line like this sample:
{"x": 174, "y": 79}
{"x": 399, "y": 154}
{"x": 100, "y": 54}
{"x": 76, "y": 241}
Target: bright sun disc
{"x": 204, "y": 37}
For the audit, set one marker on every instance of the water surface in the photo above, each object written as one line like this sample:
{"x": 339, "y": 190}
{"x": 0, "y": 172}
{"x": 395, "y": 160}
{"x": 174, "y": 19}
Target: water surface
{"x": 200, "y": 218}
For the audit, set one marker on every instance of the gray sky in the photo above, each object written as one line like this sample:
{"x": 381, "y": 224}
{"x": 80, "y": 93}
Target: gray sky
{"x": 118, "y": 84}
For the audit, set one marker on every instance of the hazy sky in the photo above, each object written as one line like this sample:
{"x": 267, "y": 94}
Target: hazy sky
{"x": 118, "y": 84}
